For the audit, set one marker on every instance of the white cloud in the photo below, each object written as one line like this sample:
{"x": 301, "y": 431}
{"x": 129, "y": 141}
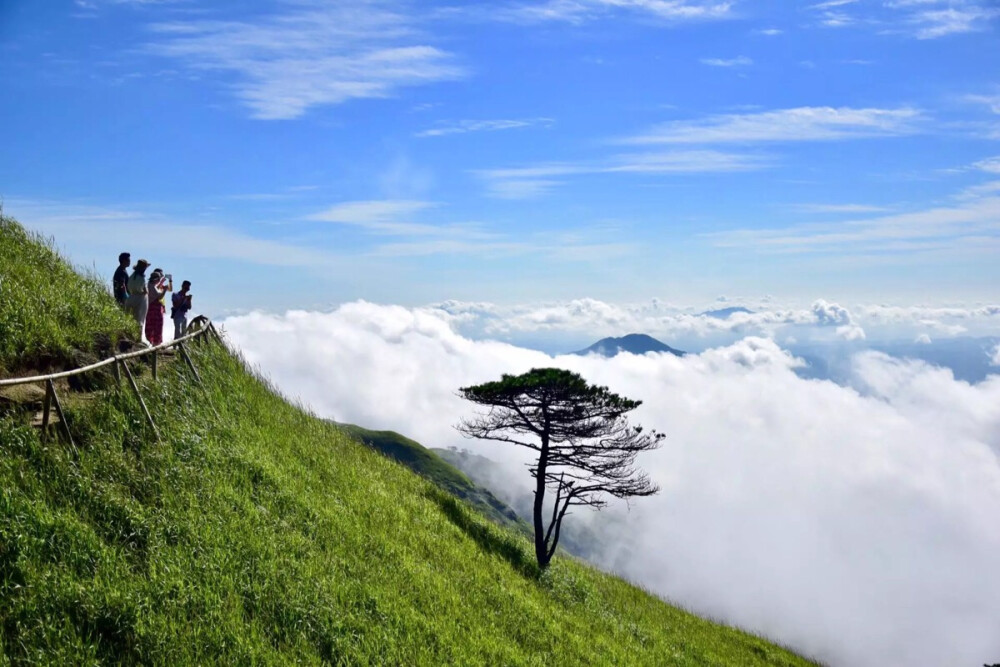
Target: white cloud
{"x": 995, "y": 356}
{"x": 798, "y": 124}
{"x": 976, "y": 219}
{"x": 922, "y": 19}
{"x": 465, "y": 126}
{"x": 371, "y": 211}
{"x": 535, "y": 180}
{"x": 831, "y": 313}
{"x": 136, "y": 229}
{"x": 580, "y": 11}
{"x": 951, "y": 19}
{"x": 739, "y": 61}
{"x": 839, "y": 208}
{"x": 391, "y": 217}
{"x": 992, "y": 101}
{"x": 853, "y": 524}
{"x": 311, "y": 55}
{"x": 851, "y": 332}
{"x": 989, "y": 165}
{"x": 923, "y": 339}
{"x": 832, "y": 3}
{"x": 580, "y": 322}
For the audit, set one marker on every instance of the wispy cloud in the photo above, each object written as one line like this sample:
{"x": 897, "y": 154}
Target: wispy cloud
{"x": 392, "y": 217}
{"x": 939, "y": 19}
{"x": 922, "y": 19}
{"x": 990, "y": 165}
{"x": 74, "y": 224}
{"x": 991, "y": 101}
{"x": 798, "y": 124}
{"x": 417, "y": 239}
{"x": 310, "y": 55}
{"x": 579, "y": 11}
{"x": 739, "y": 61}
{"x": 532, "y": 181}
{"x": 831, "y": 13}
{"x": 975, "y": 221}
{"x": 465, "y": 126}
{"x": 838, "y": 208}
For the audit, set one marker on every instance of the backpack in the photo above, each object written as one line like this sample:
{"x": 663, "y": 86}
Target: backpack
{"x": 177, "y": 304}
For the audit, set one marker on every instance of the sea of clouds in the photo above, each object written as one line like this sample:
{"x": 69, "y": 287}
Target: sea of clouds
{"x": 858, "y": 523}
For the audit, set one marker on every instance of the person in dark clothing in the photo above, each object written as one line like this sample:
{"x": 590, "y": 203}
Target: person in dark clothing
{"x": 120, "y": 281}
{"x": 181, "y": 304}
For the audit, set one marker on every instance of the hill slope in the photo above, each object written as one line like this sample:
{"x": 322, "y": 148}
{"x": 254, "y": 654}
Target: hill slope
{"x": 633, "y": 343}
{"x": 256, "y": 533}
{"x": 430, "y": 465}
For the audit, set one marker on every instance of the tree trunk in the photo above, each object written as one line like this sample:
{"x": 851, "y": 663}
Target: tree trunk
{"x": 541, "y": 552}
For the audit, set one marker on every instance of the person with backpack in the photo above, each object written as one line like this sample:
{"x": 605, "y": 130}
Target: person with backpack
{"x": 181, "y": 304}
{"x": 119, "y": 283}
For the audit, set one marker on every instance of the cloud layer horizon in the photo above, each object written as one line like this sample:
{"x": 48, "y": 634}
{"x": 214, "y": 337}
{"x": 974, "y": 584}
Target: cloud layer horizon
{"x": 856, "y": 524}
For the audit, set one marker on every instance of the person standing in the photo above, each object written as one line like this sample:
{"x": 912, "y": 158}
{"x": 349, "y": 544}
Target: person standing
{"x": 119, "y": 284}
{"x": 136, "y": 304}
{"x": 180, "y": 305}
{"x": 157, "y": 289}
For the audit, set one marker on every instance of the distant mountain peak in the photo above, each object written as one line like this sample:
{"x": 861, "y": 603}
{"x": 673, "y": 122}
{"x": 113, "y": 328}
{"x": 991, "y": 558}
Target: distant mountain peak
{"x": 633, "y": 343}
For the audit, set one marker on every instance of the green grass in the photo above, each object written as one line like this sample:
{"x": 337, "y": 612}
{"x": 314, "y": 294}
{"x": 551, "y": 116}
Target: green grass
{"x": 444, "y": 475}
{"x": 256, "y": 533}
{"x": 49, "y": 313}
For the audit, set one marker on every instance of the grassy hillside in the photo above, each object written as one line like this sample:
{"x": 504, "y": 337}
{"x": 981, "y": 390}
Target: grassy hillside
{"x": 256, "y": 533}
{"x": 426, "y": 463}
{"x": 50, "y": 315}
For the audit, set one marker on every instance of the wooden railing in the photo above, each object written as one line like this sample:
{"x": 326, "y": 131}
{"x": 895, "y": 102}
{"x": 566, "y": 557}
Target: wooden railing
{"x": 200, "y": 328}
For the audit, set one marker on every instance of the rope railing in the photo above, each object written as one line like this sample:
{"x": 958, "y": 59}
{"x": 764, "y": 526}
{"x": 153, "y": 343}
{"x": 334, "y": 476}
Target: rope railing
{"x": 208, "y": 328}
{"x": 203, "y": 327}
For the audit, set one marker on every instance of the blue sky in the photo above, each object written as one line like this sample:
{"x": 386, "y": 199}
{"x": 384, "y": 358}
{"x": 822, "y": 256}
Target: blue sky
{"x": 297, "y": 154}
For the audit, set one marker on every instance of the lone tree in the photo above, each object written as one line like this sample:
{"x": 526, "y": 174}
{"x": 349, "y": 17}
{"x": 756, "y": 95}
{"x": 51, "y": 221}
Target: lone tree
{"x": 586, "y": 447}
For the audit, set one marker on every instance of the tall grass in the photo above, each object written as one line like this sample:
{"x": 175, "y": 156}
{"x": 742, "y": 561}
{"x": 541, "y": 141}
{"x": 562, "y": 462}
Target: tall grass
{"x": 48, "y": 311}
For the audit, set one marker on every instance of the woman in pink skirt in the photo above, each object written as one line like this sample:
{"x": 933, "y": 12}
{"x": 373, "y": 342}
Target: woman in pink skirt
{"x": 157, "y": 288}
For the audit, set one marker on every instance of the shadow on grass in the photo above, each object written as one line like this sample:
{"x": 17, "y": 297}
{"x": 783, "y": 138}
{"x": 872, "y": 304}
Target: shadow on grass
{"x": 490, "y": 539}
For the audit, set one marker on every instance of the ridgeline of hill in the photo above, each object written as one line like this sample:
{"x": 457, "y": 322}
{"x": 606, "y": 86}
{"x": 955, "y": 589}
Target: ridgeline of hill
{"x": 256, "y": 533}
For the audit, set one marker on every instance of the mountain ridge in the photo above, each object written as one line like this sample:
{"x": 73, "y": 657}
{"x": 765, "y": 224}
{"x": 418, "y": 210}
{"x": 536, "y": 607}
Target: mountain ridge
{"x": 633, "y": 343}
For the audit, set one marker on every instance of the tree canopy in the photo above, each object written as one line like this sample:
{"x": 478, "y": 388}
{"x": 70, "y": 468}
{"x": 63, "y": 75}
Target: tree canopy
{"x": 586, "y": 447}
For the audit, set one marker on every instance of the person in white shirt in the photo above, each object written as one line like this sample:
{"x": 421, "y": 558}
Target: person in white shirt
{"x": 138, "y": 303}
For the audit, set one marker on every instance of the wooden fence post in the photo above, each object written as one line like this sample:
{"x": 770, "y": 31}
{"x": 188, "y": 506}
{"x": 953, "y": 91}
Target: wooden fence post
{"x": 155, "y": 357}
{"x": 118, "y": 372}
{"x": 62, "y": 415}
{"x": 215, "y": 333}
{"x": 180, "y": 346}
{"x": 46, "y": 407}
{"x": 135, "y": 388}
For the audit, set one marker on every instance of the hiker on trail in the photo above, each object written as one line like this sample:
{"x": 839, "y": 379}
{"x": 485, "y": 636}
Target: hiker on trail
{"x": 119, "y": 284}
{"x": 181, "y": 304}
{"x": 157, "y": 287}
{"x": 136, "y": 304}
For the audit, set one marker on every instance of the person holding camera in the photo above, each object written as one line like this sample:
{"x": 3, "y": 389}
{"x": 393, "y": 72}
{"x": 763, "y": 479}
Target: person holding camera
{"x": 181, "y": 304}
{"x": 157, "y": 288}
